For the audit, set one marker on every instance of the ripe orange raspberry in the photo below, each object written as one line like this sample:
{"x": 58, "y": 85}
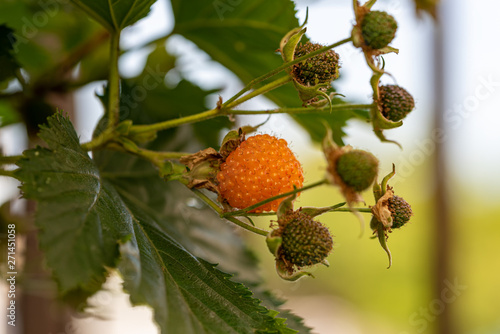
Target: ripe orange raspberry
{"x": 261, "y": 167}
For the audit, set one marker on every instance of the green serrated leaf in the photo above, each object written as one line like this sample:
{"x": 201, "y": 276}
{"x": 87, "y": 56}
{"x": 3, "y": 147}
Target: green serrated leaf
{"x": 188, "y": 294}
{"x": 252, "y": 31}
{"x": 81, "y": 218}
{"x": 273, "y": 302}
{"x": 115, "y": 14}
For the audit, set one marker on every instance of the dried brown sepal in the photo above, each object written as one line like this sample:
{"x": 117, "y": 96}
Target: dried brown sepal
{"x": 193, "y": 160}
{"x": 381, "y": 210}
{"x": 203, "y": 167}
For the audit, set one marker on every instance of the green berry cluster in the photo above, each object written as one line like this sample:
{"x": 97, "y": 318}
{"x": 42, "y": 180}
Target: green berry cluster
{"x": 323, "y": 68}
{"x": 395, "y": 102}
{"x": 400, "y": 211}
{"x": 378, "y": 29}
{"x": 305, "y": 241}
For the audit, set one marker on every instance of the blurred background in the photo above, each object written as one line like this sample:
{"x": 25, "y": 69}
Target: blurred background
{"x": 445, "y": 276}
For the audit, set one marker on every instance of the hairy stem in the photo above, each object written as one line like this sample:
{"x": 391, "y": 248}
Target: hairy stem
{"x": 157, "y": 158}
{"x": 224, "y": 112}
{"x": 301, "y": 110}
{"x": 333, "y": 208}
{"x": 113, "y": 107}
{"x": 99, "y": 141}
{"x": 262, "y": 90}
{"x": 366, "y": 210}
{"x": 164, "y": 155}
{"x": 242, "y": 212}
{"x": 175, "y": 122}
{"x": 209, "y": 113}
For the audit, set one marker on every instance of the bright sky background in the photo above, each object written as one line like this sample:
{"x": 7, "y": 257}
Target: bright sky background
{"x": 473, "y": 51}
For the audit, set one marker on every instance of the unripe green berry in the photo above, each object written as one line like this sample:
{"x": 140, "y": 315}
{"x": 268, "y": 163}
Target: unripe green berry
{"x": 378, "y": 29}
{"x": 400, "y": 211}
{"x": 358, "y": 169}
{"x": 305, "y": 241}
{"x": 395, "y": 102}
{"x": 320, "y": 69}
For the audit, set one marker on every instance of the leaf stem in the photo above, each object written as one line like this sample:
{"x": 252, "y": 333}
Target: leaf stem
{"x": 100, "y": 140}
{"x": 334, "y": 208}
{"x": 366, "y": 210}
{"x": 233, "y": 220}
{"x": 9, "y": 160}
{"x": 209, "y": 113}
{"x": 283, "y": 67}
{"x": 224, "y": 112}
{"x": 242, "y": 212}
{"x": 157, "y": 158}
{"x": 135, "y": 129}
{"x": 248, "y": 227}
{"x": 301, "y": 110}
{"x": 262, "y": 90}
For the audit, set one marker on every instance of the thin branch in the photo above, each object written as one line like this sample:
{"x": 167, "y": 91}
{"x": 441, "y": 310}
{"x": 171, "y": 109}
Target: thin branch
{"x": 301, "y": 110}
{"x": 175, "y": 122}
{"x": 255, "y": 206}
{"x": 334, "y": 209}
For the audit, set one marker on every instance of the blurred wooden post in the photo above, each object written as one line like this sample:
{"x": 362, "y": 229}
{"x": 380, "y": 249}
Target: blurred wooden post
{"x": 442, "y": 240}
